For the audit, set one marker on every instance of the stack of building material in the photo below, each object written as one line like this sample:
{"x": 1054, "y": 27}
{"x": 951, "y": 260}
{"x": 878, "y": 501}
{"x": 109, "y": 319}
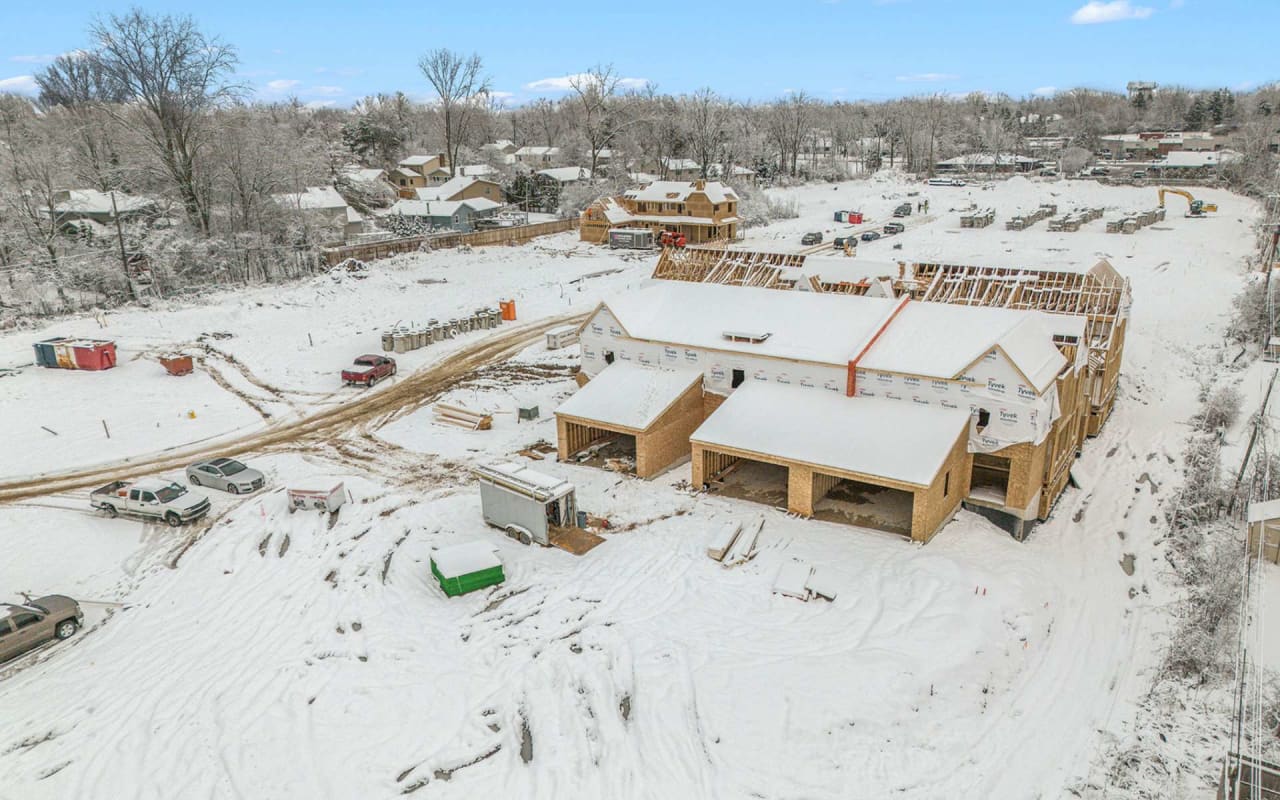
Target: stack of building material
{"x": 792, "y": 580}
{"x": 744, "y": 546}
{"x": 723, "y": 540}
{"x": 1023, "y": 221}
{"x": 561, "y": 337}
{"x": 460, "y": 417}
{"x": 978, "y": 219}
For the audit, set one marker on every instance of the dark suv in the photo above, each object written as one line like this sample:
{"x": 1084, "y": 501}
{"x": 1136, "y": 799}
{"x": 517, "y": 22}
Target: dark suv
{"x": 26, "y": 627}
{"x": 811, "y": 238}
{"x": 894, "y": 227}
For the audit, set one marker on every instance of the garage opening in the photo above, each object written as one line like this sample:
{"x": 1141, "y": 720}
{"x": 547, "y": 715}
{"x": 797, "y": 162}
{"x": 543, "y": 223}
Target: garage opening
{"x": 609, "y": 450}
{"x": 863, "y": 504}
{"x": 990, "y": 478}
{"x": 745, "y": 479}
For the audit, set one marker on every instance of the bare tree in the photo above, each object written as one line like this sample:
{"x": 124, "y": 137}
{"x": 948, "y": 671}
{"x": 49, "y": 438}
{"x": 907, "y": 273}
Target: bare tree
{"x": 461, "y": 89}
{"x": 706, "y": 115}
{"x": 595, "y": 91}
{"x": 175, "y": 76}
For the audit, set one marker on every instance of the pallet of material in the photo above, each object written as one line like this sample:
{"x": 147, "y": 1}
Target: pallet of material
{"x": 792, "y": 580}
{"x": 744, "y": 547}
{"x": 723, "y": 540}
{"x": 1023, "y": 221}
{"x": 978, "y": 219}
{"x": 460, "y": 417}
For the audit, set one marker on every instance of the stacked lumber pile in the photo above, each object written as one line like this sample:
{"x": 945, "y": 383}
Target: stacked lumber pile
{"x": 978, "y": 219}
{"x": 1072, "y": 222}
{"x": 1133, "y": 221}
{"x": 459, "y": 417}
{"x": 1023, "y": 221}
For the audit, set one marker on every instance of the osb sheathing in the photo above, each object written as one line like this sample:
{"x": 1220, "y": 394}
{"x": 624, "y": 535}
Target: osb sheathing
{"x": 662, "y": 444}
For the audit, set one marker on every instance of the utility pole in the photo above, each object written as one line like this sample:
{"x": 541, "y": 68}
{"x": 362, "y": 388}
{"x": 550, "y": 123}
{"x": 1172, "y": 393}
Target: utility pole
{"x": 124, "y": 259}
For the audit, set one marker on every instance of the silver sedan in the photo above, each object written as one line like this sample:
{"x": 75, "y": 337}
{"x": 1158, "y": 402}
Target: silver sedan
{"x": 226, "y": 474}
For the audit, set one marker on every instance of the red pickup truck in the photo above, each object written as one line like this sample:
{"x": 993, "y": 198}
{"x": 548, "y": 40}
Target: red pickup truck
{"x": 368, "y": 370}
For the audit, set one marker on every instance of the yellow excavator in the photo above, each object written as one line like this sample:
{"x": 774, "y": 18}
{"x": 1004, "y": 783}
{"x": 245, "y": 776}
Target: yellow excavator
{"x": 1197, "y": 208}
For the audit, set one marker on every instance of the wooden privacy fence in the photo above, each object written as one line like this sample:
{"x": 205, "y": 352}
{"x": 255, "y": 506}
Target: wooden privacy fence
{"x": 515, "y": 234}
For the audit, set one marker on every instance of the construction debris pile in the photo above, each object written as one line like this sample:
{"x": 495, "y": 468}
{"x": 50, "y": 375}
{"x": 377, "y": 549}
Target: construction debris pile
{"x": 402, "y": 338}
{"x": 1072, "y": 221}
{"x": 1132, "y": 221}
{"x": 1022, "y": 221}
{"x": 978, "y": 219}
{"x": 461, "y": 417}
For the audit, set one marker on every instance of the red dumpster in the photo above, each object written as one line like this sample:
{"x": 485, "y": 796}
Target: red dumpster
{"x": 93, "y": 354}
{"x": 855, "y": 217}
{"x": 177, "y": 364}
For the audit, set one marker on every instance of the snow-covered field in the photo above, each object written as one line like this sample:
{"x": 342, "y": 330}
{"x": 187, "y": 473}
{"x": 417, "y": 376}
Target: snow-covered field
{"x": 275, "y": 656}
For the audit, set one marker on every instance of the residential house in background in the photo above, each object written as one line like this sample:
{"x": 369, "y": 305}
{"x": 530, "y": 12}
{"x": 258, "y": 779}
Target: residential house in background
{"x": 680, "y": 169}
{"x": 566, "y": 175}
{"x": 463, "y": 187}
{"x": 357, "y": 173}
{"x": 531, "y": 155}
{"x": 415, "y": 172}
{"x": 94, "y": 212}
{"x": 989, "y": 162}
{"x": 457, "y": 215}
{"x": 325, "y": 204}
{"x": 703, "y": 211}
{"x": 737, "y": 172}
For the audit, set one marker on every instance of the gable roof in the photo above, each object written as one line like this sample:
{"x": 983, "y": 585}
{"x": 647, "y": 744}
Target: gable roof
{"x": 440, "y": 208}
{"x": 679, "y": 191}
{"x": 451, "y": 187}
{"x": 92, "y": 201}
{"x": 939, "y": 340}
{"x": 356, "y": 172}
{"x": 629, "y": 395}
{"x": 566, "y": 174}
{"x": 417, "y": 161}
{"x": 322, "y": 198}
{"x": 821, "y": 328}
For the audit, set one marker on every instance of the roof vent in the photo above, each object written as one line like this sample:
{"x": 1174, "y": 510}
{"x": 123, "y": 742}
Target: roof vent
{"x": 755, "y": 337}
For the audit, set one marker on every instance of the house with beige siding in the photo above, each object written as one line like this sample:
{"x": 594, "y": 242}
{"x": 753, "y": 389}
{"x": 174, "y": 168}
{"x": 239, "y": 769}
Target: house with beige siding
{"x": 704, "y": 211}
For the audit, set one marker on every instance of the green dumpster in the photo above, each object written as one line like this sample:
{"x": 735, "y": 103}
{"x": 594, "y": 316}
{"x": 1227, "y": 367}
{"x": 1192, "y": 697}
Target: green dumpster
{"x": 463, "y": 568}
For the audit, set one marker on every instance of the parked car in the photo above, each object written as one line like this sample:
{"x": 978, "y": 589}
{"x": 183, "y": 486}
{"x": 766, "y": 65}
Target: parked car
{"x": 151, "y": 498}
{"x": 814, "y": 237}
{"x": 903, "y": 210}
{"x": 1099, "y": 171}
{"x": 26, "y": 627}
{"x": 946, "y": 182}
{"x": 1139, "y": 174}
{"x": 225, "y": 474}
{"x": 894, "y": 227}
{"x": 841, "y": 241}
{"x": 368, "y": 370}
{"x": 870, "y": 236}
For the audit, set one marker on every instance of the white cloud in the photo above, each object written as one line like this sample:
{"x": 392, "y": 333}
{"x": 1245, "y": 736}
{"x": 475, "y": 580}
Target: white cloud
{"x": 927, "y": 77}
{"x": 320, "y": 104}
{"x": 502, "y": 95}
{"x": 565, "y": 83}
{"x": 32, "y": 59}
{"x": 282, "y": 85}
{"x": 1096, "y": 11}
{"x": 1045, "y": 91}
{"x": 327, "y": 90}
{"x": 22, "y": 84}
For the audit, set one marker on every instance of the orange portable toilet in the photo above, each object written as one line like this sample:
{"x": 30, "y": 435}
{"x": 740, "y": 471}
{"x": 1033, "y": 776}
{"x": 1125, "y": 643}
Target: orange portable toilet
{"x": 177, "y": 364}
{"x": 508, "y": 310}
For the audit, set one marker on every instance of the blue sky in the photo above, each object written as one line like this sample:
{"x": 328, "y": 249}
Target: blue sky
{"x": 331, "y": 52}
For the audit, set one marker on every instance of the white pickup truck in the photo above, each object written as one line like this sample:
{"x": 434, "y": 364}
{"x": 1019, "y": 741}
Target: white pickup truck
{"x": 151, "y": 498}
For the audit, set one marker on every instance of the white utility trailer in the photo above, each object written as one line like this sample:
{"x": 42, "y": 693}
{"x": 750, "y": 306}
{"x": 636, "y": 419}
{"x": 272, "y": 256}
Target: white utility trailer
{"x": 319, "y": 499}
{"x": 525, "y": 504}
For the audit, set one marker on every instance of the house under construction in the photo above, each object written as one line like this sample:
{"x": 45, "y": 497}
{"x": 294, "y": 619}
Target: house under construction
{"x": 907, "y": 393}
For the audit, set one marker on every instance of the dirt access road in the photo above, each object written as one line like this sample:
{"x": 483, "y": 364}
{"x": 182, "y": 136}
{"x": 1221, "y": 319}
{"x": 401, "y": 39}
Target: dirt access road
{"x": 409, "y": 391}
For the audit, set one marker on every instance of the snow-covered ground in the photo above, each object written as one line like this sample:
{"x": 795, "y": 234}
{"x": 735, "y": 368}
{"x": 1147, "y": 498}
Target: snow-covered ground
{"x": 270, "y": 655}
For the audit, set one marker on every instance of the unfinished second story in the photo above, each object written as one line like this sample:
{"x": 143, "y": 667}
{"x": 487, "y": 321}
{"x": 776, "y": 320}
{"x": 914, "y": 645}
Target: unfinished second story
{"x": 709, "y": 200}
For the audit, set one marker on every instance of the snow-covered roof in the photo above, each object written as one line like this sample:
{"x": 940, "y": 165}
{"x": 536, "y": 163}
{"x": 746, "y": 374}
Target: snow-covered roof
{"x": 805, "y": 326}
{"x": 939, "y": 340}
{"x": 680, "y": 163}
{"x": 440, "y": 208}
{"x": 904, "y": 442}
{"x": 478, "y": 170}
{"x": 356, "y": 172}
{"x": 988, "y": 160}
{"x": 521, "y": 474}
{"x": 717, "y": 171}
{"x": 1193, "y": 158}
{"x": 535, "y": 150}
{"x": 465, "y": 558}
{"x": 92, "y": 201}
{"x": 449, "y": 188}
{"x": 679, "y": 191}
{"x": 566, "y": 174}
{"x": 1264, "y": 510}
{"x": 405, "y": 173}
{"x": 353, "y": 215}
{"x": 325, "y": 198}
{"x": 417, "y": 161}
{"x": 629, "y": 395}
